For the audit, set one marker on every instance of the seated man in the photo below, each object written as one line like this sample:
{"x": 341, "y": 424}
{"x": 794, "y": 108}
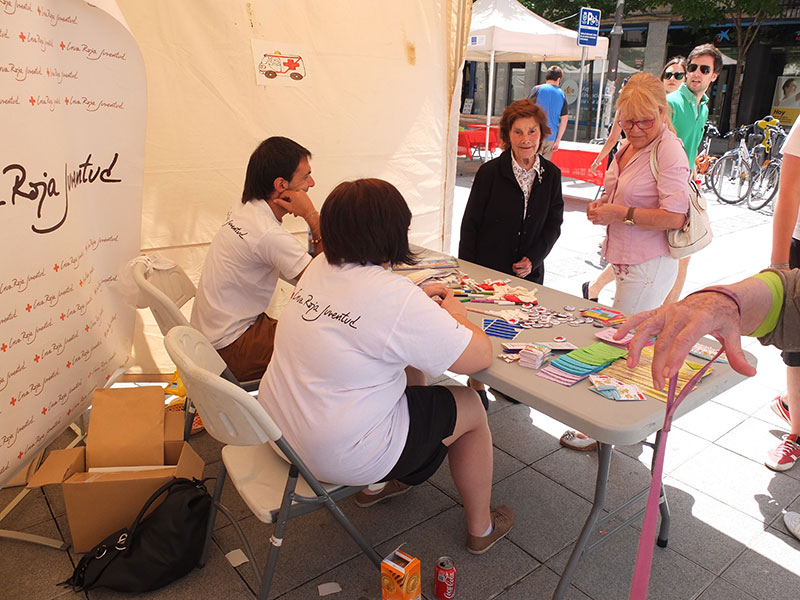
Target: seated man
{"x": 250, "y": 251}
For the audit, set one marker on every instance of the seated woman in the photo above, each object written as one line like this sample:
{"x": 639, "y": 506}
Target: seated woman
{"x": 515, "y": 209}
{"x": 345, "y": 382}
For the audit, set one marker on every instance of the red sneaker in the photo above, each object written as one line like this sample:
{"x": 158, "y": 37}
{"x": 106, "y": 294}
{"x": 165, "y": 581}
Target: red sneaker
{"x": 783, "y": 457}
{"x": 780, "y": 408}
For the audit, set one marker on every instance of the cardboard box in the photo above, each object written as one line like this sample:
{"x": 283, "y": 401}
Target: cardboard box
{"x": 400, "y": 577}
{"x": 100, "y": 503}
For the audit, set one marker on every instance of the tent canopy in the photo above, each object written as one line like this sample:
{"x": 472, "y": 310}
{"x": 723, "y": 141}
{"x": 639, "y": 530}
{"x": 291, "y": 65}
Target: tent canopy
{"x": 519, "y": 35}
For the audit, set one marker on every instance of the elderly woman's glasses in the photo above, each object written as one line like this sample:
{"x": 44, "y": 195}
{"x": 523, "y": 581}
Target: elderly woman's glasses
{"x": 643, "y": 125}
{"x": 704, "y": 69}
{"x": 677, "y": 76}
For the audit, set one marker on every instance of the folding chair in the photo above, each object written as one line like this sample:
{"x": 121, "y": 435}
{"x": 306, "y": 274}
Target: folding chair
{"x": 165, "y": 291}
{"x": 275, "y": 490}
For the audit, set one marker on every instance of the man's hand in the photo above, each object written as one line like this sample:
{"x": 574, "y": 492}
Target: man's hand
{"x": 678, "y": 326}
{"x": 296, "y": 202}
{"x": 522, "y": 268}
{"x": 555, "y": 145}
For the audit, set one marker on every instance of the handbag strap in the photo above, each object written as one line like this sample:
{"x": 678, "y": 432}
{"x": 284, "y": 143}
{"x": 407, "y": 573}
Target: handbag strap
{"x": 644, "y": 556}
{"x": 164, "y": 488}
{"x": 654, "y": 159}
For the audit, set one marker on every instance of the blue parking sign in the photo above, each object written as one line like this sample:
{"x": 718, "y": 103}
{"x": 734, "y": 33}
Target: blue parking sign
{"x": 588, "y": 26}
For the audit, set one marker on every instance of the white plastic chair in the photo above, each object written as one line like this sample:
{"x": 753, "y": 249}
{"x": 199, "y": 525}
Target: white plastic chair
{"x": 275, "y": 490}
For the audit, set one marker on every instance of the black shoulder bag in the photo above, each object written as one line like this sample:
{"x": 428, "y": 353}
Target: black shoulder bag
{"x": 155, "y": 551}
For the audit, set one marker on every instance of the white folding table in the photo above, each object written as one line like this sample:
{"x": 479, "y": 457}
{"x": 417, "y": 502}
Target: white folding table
{"x": 608, "y": 421}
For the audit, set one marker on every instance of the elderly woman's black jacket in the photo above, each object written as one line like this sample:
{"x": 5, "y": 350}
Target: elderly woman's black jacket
{"x": 493, "y": 233}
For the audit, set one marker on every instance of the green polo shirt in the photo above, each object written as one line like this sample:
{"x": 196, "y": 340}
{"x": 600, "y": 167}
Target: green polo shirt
{"x": 688, "y": 119}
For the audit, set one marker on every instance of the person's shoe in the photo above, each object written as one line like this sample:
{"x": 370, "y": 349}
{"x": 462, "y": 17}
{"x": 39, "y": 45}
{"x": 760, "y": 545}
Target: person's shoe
{"x": 585, "y": 292}
{"x": 792, "y": 522}
{"x": 502, "y": 521}
{"x": 365, "y": 498}
{"x": 575, "y": 440}
{"x": 782, "y": 458}
{"x": 780, "y": 408}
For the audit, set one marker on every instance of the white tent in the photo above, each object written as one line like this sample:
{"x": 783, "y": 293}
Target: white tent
{"x": 506, "y": 31}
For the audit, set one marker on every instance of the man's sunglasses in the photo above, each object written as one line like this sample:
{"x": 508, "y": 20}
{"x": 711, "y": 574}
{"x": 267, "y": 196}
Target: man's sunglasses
{"x": 704, "y": 69}
{"x": 677, "y": 76}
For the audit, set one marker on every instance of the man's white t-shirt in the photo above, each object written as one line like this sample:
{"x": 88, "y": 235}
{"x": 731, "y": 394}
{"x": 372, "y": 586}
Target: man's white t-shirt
{"x": 792, "y": 146}
{"x": 246, "y": 256}
{"x": 336, "y": 382}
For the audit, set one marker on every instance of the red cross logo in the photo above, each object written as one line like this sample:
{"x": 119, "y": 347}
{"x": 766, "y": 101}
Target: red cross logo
{"x": 63, "y": 316}
{"x": 69, "y": 364}
{"x": 55, "y": 267}
{"x": 32, "y": 100}
{"x": 69, "y": 411}
{"x": 19, "y": 455}
{"x": 87, "y": 329}
{"x": 62, "y": 45}
{"x": 37, "y": 358}
{"x": 80, "y": 283}
{"x": 39, "y": 9}
{"x": 44, "y": 410}
{"x": 4, "y": 347}
{"x": 13, "y": 401}
{"x": 28, "y": 308}
{"x": 291, "y": 64}
{"x": 22, "y": 36}
{"x": 48, "y": 72}
{"x": 66, "y": 100}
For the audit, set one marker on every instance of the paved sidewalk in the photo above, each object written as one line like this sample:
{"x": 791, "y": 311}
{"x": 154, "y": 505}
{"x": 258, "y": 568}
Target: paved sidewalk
{"x": 727, "y": 539}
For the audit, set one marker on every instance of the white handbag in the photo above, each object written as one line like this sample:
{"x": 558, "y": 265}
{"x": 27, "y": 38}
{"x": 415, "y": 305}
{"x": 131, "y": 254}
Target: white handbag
{"x": 696, "y": 231}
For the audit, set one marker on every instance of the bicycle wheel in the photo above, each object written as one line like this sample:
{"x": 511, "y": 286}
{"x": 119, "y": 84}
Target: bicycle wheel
{"x": 766, "y": 187}
{"x": 731, "y": 179}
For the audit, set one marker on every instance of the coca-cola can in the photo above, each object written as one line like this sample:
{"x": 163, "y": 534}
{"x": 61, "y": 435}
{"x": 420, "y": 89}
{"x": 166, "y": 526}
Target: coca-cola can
{"x": 445, "y": 585}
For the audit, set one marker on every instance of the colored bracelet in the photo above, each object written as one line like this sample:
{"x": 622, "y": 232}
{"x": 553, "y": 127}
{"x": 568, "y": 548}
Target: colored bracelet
{"x": 725, "y": 292}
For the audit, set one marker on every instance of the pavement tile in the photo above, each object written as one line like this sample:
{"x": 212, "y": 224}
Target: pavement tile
{"x": 541, "y": 583}
{"x": 738, "y": 482}
{"x": 681, "y": 446}
{"x": 722, "y": 590}
{"x": 33, "y": 572}
{"x": 606, "y": 573}
{"x": 547, "y": 516}
{"x": 577, "y": 471}
{"x": 769, "y": 569}
{"x": 525, "y": 433}
{"x": 710, "y": 420}
{"x": 754, "y": 438}
{"x": 750, "y": 395}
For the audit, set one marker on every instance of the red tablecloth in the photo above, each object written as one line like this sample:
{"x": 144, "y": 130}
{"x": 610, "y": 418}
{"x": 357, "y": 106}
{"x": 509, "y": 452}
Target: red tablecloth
{"x": 574, "y": 160}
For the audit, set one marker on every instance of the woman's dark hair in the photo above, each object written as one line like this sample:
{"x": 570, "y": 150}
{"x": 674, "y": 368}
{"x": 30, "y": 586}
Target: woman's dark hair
{"x": 675, "y": 60}
{"x": 275, "y": 157}
{"x": 366, "y": 221}
{"x": 522, "y": 109}
{"x": 786, "y": 84}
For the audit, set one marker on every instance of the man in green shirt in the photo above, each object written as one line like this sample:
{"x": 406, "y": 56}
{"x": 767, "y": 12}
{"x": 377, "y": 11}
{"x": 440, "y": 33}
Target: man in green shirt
{"x": 689, "y": 102}
{"x": 689, "y": 105}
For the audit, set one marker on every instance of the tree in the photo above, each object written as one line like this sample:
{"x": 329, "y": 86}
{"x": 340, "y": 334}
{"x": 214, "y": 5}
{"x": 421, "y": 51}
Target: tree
{"x": 747, "y": 17}
{"x": 555, "y": 10}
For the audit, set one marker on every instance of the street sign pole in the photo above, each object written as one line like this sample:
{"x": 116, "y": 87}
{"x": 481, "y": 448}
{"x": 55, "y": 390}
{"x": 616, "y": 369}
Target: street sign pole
{"x": 580, "y": 95}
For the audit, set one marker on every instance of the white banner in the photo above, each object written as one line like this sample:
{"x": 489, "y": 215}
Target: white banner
{"x": 72, "y": 113}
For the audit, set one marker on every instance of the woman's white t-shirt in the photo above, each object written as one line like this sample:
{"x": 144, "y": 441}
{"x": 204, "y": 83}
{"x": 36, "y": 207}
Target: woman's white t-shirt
{"x": 336, "y": 382}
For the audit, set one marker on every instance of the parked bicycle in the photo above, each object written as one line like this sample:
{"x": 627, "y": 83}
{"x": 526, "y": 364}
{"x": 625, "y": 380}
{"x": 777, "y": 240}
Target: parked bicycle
{"x": 751, "y": 174}
{"x": 705, "y": 162}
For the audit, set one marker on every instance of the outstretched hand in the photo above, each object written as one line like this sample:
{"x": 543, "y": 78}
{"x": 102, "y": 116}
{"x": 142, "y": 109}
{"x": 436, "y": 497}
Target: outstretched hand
{"x": 679, "y": 326}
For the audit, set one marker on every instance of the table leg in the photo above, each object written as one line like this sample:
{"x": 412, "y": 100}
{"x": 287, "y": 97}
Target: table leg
{"x": 663, "y": 507}
{"x": 604, "y": 463}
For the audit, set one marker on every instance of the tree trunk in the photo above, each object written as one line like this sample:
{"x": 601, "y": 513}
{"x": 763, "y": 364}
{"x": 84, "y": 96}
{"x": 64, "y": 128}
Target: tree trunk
{"x": 736, "y": 90}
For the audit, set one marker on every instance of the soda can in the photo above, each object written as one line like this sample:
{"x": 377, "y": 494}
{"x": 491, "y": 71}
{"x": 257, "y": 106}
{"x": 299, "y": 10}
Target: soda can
{"x": 445, "y": 585}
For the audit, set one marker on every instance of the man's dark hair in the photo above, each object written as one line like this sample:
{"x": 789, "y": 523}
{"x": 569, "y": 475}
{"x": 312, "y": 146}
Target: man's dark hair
{"x": 554, "y": 73}
{"x": 366, "y": 221}
{"x": 707, "y": 50}
{"x": 275, "y": 157}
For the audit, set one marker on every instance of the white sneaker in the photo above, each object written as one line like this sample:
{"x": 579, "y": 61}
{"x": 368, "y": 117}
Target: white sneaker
{"x": 792, "y": 522}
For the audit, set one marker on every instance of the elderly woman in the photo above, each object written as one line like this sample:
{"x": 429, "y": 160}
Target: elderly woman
{"x": 637, "y": 208}
{"x": 345, "y": 382}
{"x": 515, "y": 209}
